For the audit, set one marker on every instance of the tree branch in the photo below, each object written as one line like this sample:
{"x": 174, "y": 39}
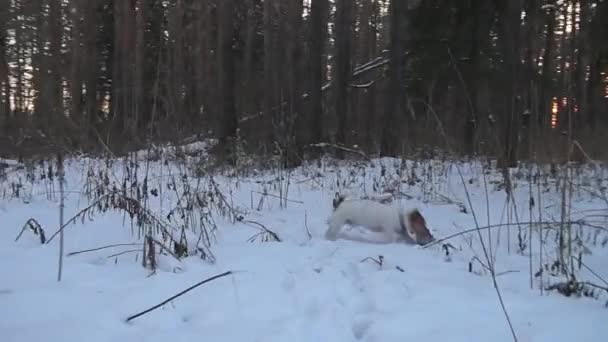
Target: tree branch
{"x": 130, "y": 318}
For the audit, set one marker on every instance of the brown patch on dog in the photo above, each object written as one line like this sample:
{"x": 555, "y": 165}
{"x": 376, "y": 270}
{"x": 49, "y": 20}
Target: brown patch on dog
{"x": 417, "y": 226}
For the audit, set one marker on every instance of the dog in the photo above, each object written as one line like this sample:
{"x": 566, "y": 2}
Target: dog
{"x": 389, "y": 223}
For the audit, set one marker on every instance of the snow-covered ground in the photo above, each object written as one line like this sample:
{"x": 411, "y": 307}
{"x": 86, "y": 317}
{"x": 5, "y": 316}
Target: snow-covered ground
{"x": 303, "y": 288}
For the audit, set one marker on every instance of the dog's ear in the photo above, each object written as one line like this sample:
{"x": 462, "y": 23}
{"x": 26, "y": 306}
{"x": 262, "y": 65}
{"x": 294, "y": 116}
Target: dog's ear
{"x": 338, "y": 199}
{"x": 417, "y": 226}
{"x": 416, "y": 217}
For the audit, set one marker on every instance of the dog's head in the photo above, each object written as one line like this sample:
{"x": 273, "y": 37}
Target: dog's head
{"x": 416, "y": 227}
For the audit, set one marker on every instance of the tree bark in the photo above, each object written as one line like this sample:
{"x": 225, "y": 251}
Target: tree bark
{"x": 547, "y": 92}
{"x": 5, "y": 85}
{"x": 92, "y": 63}
{"x": 227, "y": 77}
{"x": 510, "y": 32}
{"x": 390, "y": 141}
{"x": 582, "y": 61}
{"x": 76, "y": 66}
{"x": 270, "y": 72}
{"x": 54, "y": 87}
{"x": 139, "y": 66}
{"x": 318, "y": 35}
{"x": 342, "y": 66}
{"x": 369, "y": 50}
{"x": 296, "y": 119}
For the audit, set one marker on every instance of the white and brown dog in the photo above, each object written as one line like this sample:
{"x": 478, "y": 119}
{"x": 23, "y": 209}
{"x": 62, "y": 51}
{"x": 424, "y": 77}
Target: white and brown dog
{"x": 388, "y": 223}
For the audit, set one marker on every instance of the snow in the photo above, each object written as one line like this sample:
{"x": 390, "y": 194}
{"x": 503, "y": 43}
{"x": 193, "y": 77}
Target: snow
{"x": 303, "y": 288}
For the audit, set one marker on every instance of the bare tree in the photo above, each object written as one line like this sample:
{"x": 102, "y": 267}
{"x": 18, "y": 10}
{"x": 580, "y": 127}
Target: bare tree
{"x": 390, "y": 141}
{"x": 227, "y": 76}
{"x": 5, "y": 84}
{"x": 495, "y": 73}
{"x": 318, "y": 35}
{"x": 342, "y": 66}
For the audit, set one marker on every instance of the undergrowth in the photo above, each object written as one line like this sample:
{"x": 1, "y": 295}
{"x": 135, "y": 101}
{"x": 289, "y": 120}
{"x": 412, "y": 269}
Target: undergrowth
{"x": 171, "y": 200}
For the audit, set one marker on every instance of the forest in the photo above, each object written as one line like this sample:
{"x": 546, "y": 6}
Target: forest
{"x": 509, "y": 79}
{"x": 304, "y": 170}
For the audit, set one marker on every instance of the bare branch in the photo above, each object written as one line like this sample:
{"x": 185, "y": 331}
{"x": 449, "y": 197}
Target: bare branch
{"x": 265, "y": 230}
{"x": 275, "y": 196}
{"x": 100, "y": 248}
{"x": 130, "y": 318}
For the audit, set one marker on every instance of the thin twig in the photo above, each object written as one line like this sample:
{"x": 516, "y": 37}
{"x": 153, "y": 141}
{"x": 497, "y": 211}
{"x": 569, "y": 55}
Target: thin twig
{"x": 486, "y": 267}
{"x": 275, "y": 196}
{"x": 379, "y": 261}
{"x": 487, "y": 198}
{"x": 166, "y": 249}
{"x": 531, "y": 208}
{"x": 61, "y": 171}
{"x": 78, "y": 214}
{"x": 470, "y": 202}
{"x": 149, "y": 253}
{"x": 342, "y": 148}
{"x": 488, "y": 257}
{"x": 506, "y": 272}
{"x": 472, "y": 230}
{"x": 595, "y": 285}
{"x": 264, "y": 229}
{"x": 591, "y": 271}
{"x": 141, "y": 209}
{"x": 223, "y": 198}
{"x": 130, "y": 318}
{"x": 306, "y": 226}
{"x": 582, "y": 150}
{"x": 540, "y": 234}
{"x": 124, "y": 252}
{"x": 100, "y": 248}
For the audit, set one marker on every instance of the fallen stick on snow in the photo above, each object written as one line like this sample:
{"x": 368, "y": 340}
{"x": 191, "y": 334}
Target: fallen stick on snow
{"x": 275, "y": 196}
{"x": 100, "y": 248}
{"x": 130, "y": 318}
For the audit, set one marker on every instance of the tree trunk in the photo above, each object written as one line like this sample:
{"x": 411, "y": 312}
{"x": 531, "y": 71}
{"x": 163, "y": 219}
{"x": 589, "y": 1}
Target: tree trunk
{"x": 342, "y": 66}
{"x": 227, "y": 77}
{"x": 19, "y": 100}
{"x": 296, "y": 120}
{"x": 92, "y": 64}
{"x": 5, "y": 86}
{"x": 472, "y": 74}
{"x": 597, "y": 87}
{"x": 54, "y": 80}
{"x": 117, "y": 106}
{"x": 369, "y": 51}
{"x": 250, "y": 80}
{"x": 76, "y": 67}
{"x": 318, "y": 35}
{"x": 547, "y": 92}
{"x": 270, "y": 72}
{"x": 510, "y": 31}
{"x": 582, "y": 61}
{"x": 390, "y": 141}
{"x": 138, "y": 84}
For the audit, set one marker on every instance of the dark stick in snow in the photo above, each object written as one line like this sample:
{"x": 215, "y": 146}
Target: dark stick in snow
{"x": 100, "y": 248}
{"x": 130, "y": 318}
